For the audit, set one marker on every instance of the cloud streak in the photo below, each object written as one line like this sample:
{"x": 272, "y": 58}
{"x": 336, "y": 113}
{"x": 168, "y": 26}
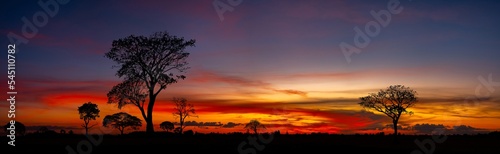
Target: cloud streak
{"x": 205, "y": 76}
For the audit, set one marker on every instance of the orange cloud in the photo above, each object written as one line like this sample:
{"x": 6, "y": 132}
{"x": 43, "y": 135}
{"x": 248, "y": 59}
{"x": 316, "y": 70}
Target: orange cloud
{"x": 292, "y": 92}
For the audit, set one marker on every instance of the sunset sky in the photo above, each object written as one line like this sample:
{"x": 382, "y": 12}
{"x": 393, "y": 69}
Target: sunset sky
{"x": 275, "y": 61}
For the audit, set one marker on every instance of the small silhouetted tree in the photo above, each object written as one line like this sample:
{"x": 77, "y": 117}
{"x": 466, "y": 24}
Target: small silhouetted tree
{"x": 182, "y": 111}
{"x": 20, "y": 128}
{"x": 167, "y": 125}
{"x": 88, "y": 111}
{"x": 177, "y": 130}
{"x": 277, "y": 132}
{"x": 254, "y": 125}
{"x": 121, "y": 121}
{"x": 154, "y": 62}
{"x": 392, "y": 101}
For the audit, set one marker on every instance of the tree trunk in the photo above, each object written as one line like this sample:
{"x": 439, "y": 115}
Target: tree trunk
{"x": 86, "y": 128}
{"x": 143, "y": 113}
{"x": 149, "y": 119}
{"x": 182, "y": 124}
{"x": 395, "y": 125}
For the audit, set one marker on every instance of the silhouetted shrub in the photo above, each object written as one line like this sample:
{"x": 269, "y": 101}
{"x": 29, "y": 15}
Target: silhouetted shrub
{"x": 495, "y": 133}
{"x": 189, "y": 133}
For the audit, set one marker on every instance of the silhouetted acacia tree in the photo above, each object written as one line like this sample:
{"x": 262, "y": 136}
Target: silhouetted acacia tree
{"x": 20, "y": 128}
{"x": 150, "y": 64}
{"x": 392, "y": 101}
{"x": 182, "y": 111}
{"x": 167, "y": 125}
{"x": 121, "y": 121}
{"x": 88, "y": 111}
{"x": 254, "y": 125}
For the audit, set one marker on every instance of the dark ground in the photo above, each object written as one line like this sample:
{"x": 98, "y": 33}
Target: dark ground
{"x": 220, "y": 144}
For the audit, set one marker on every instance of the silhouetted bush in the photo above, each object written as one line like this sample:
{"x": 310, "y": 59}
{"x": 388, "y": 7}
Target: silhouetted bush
{"x": 495, "y": 133}
{"x": 189, "y": 133}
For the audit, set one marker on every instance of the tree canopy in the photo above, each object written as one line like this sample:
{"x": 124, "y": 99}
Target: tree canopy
{"x": 254, "y": 125}
{"x": 88, "y": 111}
{"x": 167, "y": 126}
{"x": 121, "y": 121}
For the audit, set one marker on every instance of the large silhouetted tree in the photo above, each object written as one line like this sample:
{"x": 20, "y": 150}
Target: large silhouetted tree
{"x": 88, "y": 111}
{"x": 182, "y": 111}
{"x": 254, "y": 125}
{"x": 167, "y": 125}
{"x": 121, "y": 121}
{"x": 18, "y": 127}
{"x": 392, "y": 101}
{"x": 153, "y": 62}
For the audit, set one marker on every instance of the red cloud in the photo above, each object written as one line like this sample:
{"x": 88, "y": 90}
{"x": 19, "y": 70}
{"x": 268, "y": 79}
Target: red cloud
{"x": 336, "y": 119}
{"x": 73, "y": 98}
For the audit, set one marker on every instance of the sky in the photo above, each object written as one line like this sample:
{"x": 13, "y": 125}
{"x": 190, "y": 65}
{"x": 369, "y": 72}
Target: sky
{"x": 289, "y": 64}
